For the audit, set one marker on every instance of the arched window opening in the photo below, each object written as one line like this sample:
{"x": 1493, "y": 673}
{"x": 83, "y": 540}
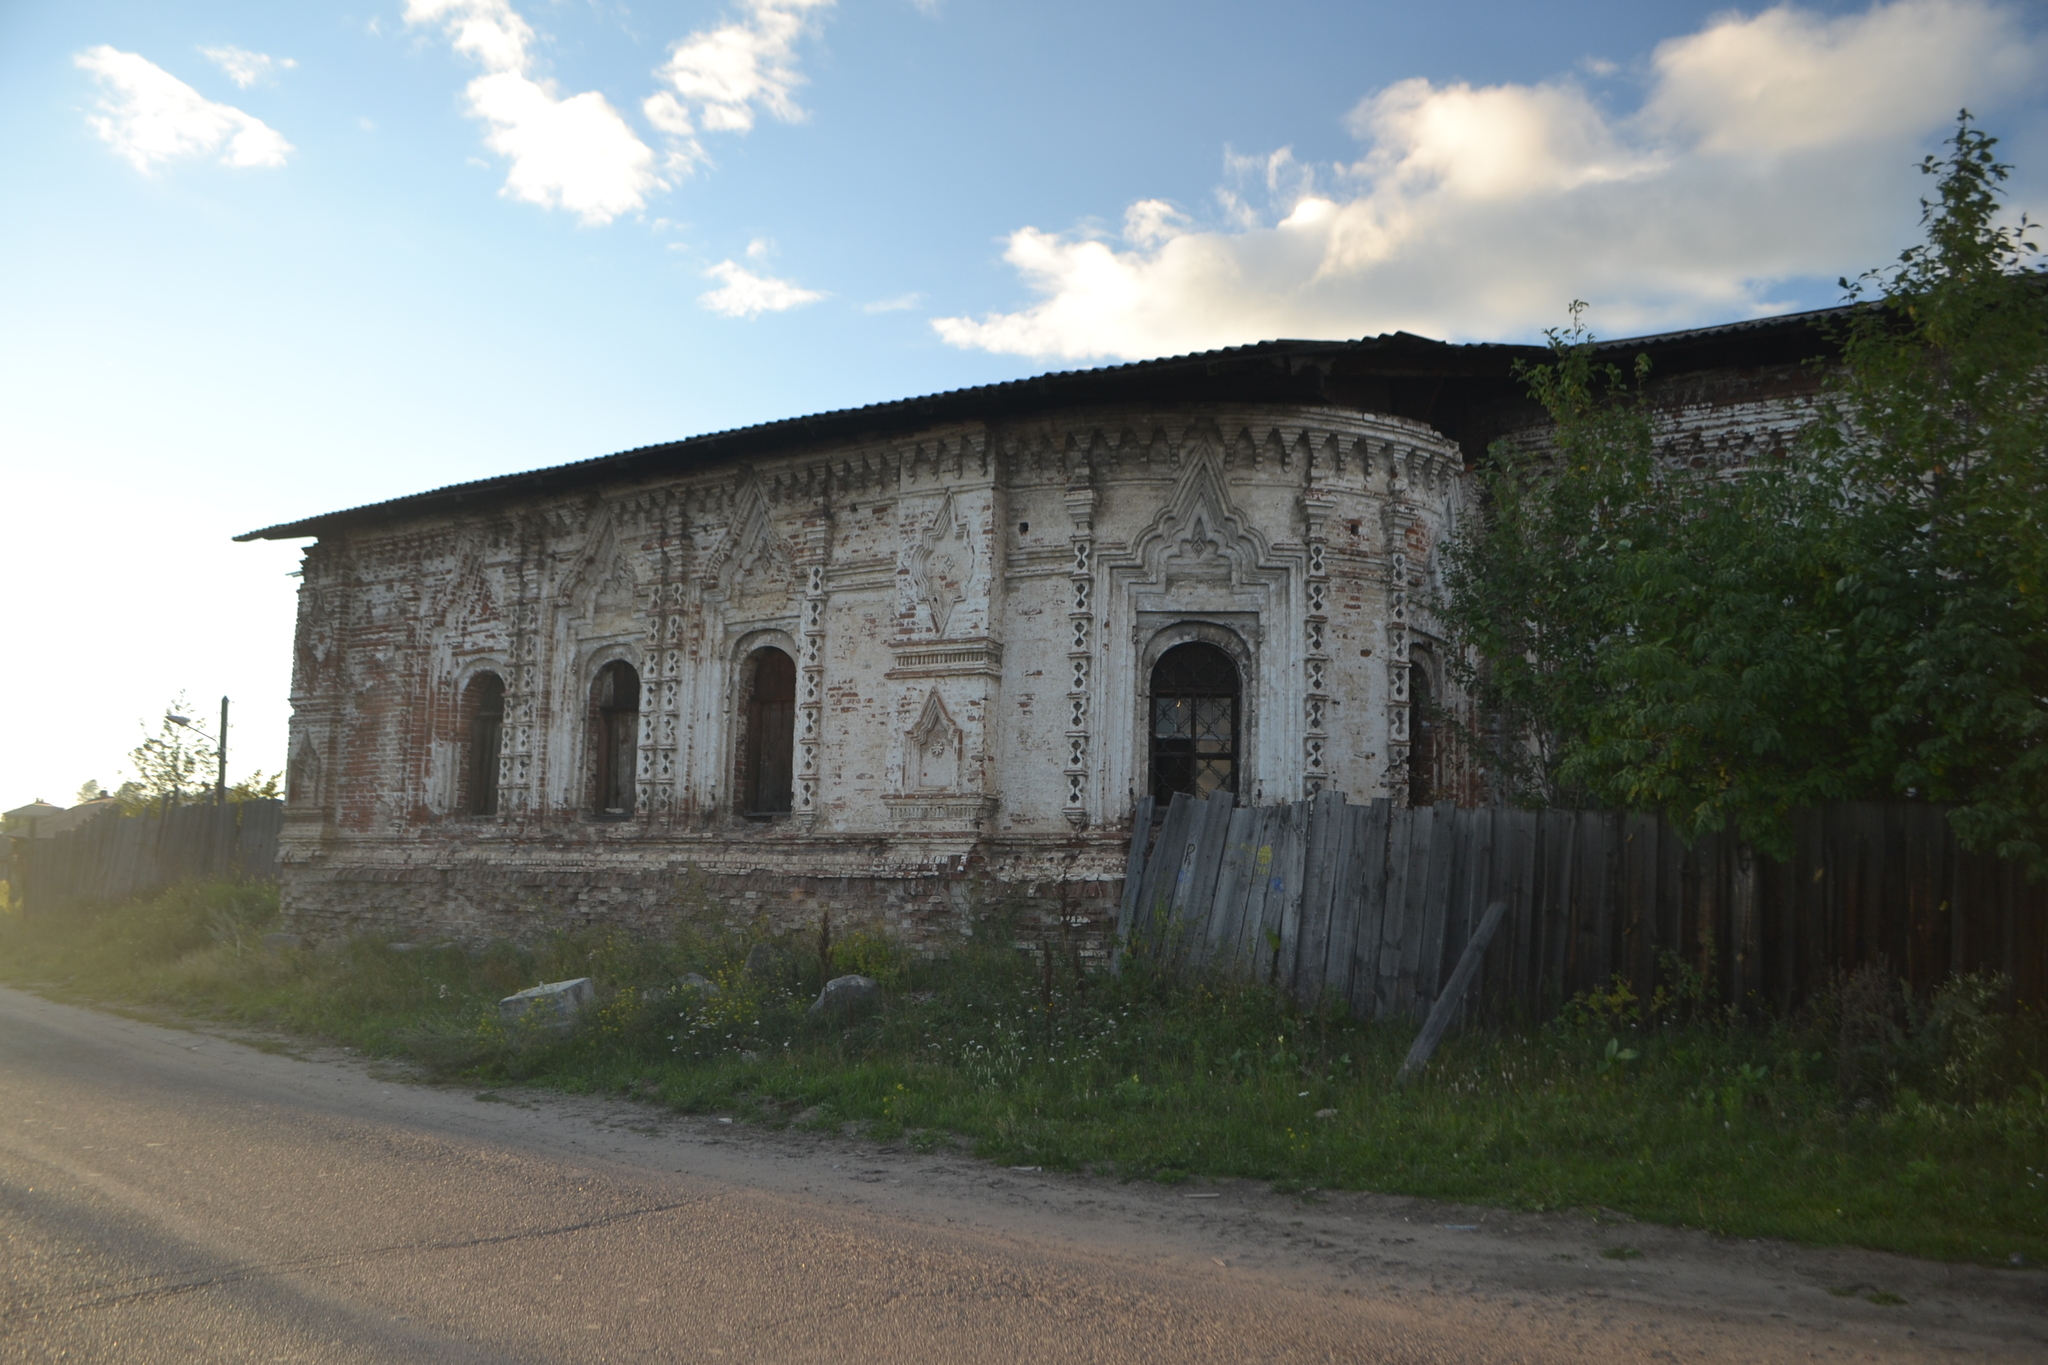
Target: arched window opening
{"x": 768, "y": 745}
{"x": 1421, "y": 739}
{"x": 616, "y": 700}
{"x": 1195, "y": 722}
{"x": 484, "y": 703}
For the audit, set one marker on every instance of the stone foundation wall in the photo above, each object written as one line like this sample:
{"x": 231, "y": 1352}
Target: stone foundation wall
{"x": 658, "y": 891}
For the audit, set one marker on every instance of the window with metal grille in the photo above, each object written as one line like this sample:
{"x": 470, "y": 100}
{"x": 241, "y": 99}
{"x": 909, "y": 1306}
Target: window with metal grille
{"x": 770, "y": 740}
{"x": 1195, "y": 722}
{"x": 616, "y": 696}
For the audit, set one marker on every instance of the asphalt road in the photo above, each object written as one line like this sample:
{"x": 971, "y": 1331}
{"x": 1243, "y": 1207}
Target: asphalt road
{"x": 177, "y": 1196}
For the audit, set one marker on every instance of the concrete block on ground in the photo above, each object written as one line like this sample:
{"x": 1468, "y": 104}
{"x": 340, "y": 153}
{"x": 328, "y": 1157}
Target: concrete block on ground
{"x": 554, "y": 1004}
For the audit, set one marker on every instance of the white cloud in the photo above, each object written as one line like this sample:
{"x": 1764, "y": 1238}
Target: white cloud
{"x": 743, "y": 294}
{"x": 575, "y": 153}
{"x": 902, "y": 303}
{"x": 150, "y": 116}
{"x": 246, "y": 68}
{"x": 719, "y": 78}
{"x": 1766, "y": 148}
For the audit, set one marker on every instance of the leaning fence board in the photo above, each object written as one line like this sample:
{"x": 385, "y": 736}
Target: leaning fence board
{"x": 1375, "y": 867}
{"x": 1452, "y": 999}
{"x": 1558, "y": 831}
{"x": 1168, "y": 849}
{"x": 1283, "y": 898}
{"x": 1321, "y": 855}
{"x": 1449, "y": 840}
{"x": 1233, "y": 954}
{"x": 1198, "y": 896}
{"x": 1227, "y": 903}
{"x": 1349, "y": 888}
{"x": 117, "y": 856}
{"x": 1402, "y": 867}
{"x": 1242, "y": 951}
{"x": 1134, "y": 864}
{"x": 1133, "y": 935}
{"x": 1429, "y": 853}
{"x": 1174, "y": 893}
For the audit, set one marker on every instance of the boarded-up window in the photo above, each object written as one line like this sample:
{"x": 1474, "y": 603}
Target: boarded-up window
{"x": 616, "y": 706}
{"x": 768, "y": 744}
{"x": 1421, "y": 739}
{"x": 1195, "y": 722}
{"x": 484, "y": 701}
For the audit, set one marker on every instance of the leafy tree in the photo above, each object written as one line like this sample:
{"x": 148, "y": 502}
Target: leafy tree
{"x": 257, "y": 786}
{"x": 1940, "y": 428}
{"x": 178, "y": 762}
{"x": 1862, "y": 616}
{"x": 175, "y": 762}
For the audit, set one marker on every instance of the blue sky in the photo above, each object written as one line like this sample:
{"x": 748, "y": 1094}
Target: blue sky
{"x": 264, "y": 261}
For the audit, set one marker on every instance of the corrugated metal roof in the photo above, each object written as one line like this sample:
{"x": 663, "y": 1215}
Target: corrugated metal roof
{"x": 1062, "y": 386}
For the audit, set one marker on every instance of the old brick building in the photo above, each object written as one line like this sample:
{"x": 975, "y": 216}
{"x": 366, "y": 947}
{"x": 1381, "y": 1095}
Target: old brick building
{"x": 887, "y": 661}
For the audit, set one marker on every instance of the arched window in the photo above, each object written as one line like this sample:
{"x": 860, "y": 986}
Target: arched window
{"x": 483, "y": 703}
{"x": 1421, "y": 738}
{"x": 615, "y": 701}
{"x": 768, "y": 743}
{"x": 1195, "y": 722}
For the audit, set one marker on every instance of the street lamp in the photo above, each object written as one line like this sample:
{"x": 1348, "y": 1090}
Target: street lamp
{"x": 220, "y": 748}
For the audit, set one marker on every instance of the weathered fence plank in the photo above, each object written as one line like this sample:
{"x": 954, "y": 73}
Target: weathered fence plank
{"x": 1283, "y": 895}
{"x": 1375, "y": 871}
{"x": 1345, "y": 907}
{"x": 1239, "y": 852}
{"x": 1194, "y": 898}
{"x": 1366, "y": 907}
{"x": 118, "y": 856}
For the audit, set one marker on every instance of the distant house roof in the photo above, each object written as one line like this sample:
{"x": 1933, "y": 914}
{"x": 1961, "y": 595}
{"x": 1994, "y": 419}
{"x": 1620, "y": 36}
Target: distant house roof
{"x": 74, "y": 817}
{"x": 1465, "y": 390}
{"x": 41, "y": 820}
{"x": 22, "y": 819}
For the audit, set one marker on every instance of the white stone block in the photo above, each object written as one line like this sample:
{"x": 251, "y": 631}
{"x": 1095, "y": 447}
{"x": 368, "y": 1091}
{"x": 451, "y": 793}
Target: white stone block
{"x": 554, "y": 1004}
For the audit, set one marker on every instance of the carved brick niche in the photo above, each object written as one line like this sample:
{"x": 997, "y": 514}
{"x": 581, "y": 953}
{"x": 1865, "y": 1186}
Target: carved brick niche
{"x": 950, "y": 669}
{"x": 934, "y": 774}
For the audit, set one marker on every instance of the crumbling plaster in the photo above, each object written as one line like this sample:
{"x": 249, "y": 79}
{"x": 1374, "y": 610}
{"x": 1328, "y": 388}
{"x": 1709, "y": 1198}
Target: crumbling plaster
{"x": 994, "y": 592}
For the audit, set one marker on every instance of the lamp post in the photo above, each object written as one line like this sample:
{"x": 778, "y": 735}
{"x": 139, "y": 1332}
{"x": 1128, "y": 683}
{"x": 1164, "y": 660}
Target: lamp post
{"x": 220, "y": 749}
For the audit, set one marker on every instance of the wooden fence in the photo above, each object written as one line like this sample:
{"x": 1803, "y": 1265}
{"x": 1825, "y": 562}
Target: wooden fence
{"x": 115, "y": 856}
{"x": 1370, "y": 905}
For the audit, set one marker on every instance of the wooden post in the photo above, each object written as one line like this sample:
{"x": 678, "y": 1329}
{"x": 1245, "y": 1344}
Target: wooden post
{"x": 1447, "y": 1003}
{"x": 1134, "y": 872}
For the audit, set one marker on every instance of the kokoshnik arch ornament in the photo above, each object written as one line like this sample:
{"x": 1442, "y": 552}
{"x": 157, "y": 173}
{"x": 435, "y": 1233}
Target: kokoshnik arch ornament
{"x": 865, "y": 663}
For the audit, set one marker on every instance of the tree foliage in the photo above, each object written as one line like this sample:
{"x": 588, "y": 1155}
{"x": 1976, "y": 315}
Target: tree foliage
{"x": 175, "y": 762}
{"x": 1862, "y": 614}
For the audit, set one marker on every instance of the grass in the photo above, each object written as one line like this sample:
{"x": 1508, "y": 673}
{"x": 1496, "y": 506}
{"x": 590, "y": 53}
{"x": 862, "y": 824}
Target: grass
{"x": 1870, "y": 1121}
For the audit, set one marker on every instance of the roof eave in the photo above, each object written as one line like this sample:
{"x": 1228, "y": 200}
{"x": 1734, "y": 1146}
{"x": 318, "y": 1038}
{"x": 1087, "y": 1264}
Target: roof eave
{"x": 1432, "y": 358}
